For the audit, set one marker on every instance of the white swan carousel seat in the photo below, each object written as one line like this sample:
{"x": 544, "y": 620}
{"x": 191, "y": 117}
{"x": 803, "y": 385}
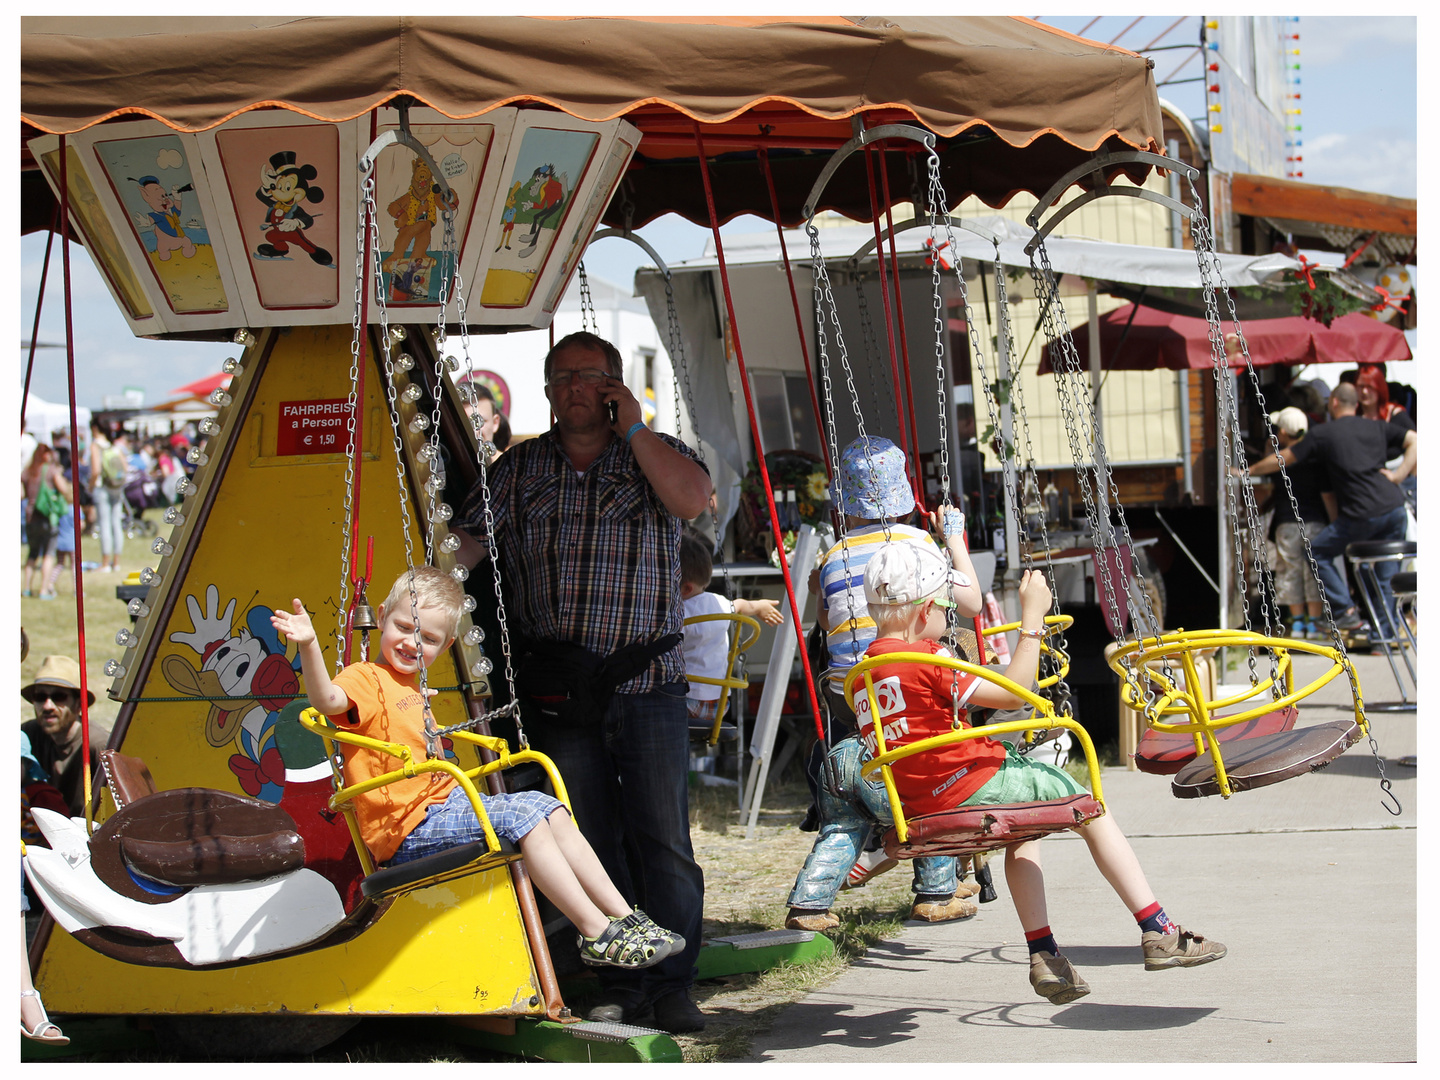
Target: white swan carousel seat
{"x": 195, "y": 877}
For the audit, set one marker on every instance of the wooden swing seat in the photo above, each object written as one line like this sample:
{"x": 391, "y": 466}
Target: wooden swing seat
{"x": 967, "y": 830}
{"x": 1268, "y": 759}
{"x": 1164, "y": 753}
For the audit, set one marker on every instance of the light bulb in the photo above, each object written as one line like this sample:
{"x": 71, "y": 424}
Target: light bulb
{"x": 138, "y": 608}
{"x": 474, "y": 636}
{"x": 232, "y": 366}
{"x": 219, "y": 398}
{"x": 442, "y": 512}
{"x": 410, "y": 393}
{"x": 162, "y": 547}
{"x": 451, "y": 364}
{"x": 482, "y": 667}
{"x": 184, "y": 486}
{"x": 397, "y": 333}
{"x": 450, "y": 543}
{"x": 468, "y": 604}
{"x": 403, "y": 362}
{"x": 124, "y": 638}
{"x": 173, "y": 516}
{"x": 114, "y": 669}
{"x": 148, "y": 576}
{"x": 435, "y": 483}
{"x": 419, "y": 423}
{"x": 459, "y": 573}
{"x": 425, "y": 453}
{"x": 244, "y": 338}
{"x": 209, "y": 426}
{"x": 196, "y": 456}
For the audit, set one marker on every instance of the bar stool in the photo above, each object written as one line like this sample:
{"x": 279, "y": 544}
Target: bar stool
{"x": 1389, "y": 629}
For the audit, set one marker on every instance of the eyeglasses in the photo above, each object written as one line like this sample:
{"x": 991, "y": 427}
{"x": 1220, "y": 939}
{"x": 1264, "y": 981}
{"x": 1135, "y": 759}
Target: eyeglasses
{"x": 59, "y": 697}
{"x": 587, "y": 377}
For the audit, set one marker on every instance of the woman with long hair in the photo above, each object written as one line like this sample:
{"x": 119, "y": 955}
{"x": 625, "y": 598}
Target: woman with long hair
{"x": 41, "y": 528}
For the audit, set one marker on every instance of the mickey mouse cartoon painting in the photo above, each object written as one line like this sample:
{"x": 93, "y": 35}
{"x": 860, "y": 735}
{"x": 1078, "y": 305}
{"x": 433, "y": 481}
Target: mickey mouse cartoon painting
{"x": 284, "y": 185}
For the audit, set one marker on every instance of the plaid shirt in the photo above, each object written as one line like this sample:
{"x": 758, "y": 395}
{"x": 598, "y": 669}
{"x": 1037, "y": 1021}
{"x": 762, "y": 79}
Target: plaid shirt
{"x": 592, "y": 559}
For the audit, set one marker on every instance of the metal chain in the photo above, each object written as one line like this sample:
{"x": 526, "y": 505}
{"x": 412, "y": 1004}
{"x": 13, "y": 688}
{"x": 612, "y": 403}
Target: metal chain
{"x": 588, "y": 319}
{"x": 1205, "y": 252}
{"x": 872, "y": 345}
{"x": 353, "y": 405}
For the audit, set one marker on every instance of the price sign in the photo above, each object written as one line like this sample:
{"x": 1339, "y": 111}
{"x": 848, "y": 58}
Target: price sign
{"x": 312, "y": 427}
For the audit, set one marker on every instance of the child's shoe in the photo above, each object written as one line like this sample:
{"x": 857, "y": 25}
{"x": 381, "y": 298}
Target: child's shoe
{"x": 624, "y": 943}
{"x": 1180, "y": 949}
{"x": 803, "y": 919}
{"x": 957, "y": 907}
{"x": 657, "y": 933}
{"x": 1056, "y": 979}
{"x": 1315, "y": 632}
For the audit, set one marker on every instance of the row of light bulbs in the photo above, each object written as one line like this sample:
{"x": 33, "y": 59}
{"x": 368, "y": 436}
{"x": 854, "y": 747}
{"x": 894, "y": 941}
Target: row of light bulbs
{"x": 175, "y": 516}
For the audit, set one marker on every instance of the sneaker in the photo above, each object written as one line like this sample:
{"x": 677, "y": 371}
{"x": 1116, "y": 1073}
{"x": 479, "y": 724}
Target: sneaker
{"x": 614, "y": 1008}
{"x": 624, "y": 943}
{"x": 957, "y": 907}
{"x": 1056, "y": 979}
{"x": 1297, "y": 629}
{"x": 818, "y": 921}
{"x": 1180, "y": 949}
{"x": 657, "y": 933}
{"x": 677, "y": 1014}
{"x": 1315, "y": 632}
{"x": 1349, "y": 621}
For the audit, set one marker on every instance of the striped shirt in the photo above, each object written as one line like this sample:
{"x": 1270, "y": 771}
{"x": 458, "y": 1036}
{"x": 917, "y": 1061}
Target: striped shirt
{"x": 590, "y": 558}
{"x": 842, "y": 590}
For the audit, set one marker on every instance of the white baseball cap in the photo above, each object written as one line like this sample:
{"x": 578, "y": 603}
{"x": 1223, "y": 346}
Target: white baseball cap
{"x": 906, "y": 573}
{"x": 1290, "y": 420}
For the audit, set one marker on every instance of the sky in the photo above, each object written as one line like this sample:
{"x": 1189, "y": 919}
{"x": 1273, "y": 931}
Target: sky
{"x": 1360, "y": 131}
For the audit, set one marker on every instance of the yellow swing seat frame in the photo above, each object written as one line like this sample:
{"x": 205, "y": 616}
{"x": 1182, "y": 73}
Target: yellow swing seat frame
{"x": 746, "y": 632}
{"x": 433, "y": 869}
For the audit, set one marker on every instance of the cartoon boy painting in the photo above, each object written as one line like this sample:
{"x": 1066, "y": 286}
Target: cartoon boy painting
{"x": 416, "y": 213}
{"x": 165, "y": 217}
{"x": 508, "y": 217}
{"x": 284, "y": 185}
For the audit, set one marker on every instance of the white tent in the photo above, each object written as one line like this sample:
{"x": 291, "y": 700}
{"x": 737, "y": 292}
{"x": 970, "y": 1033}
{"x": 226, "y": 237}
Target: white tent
{"x": 42, "y": 418}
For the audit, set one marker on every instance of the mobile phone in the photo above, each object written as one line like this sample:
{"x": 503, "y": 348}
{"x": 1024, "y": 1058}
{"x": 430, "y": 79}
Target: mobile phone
{"x": 612, "y": 410}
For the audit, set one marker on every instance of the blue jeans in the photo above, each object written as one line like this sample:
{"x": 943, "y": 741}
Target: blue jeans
{"x": 1340, "y": 534}
{"x": 629, "y": 782}
{"x": 849, "y": 808}
{"x": 110, "y": 516}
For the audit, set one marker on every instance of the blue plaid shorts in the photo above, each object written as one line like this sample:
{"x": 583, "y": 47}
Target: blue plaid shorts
{"x": 451, "y": 823}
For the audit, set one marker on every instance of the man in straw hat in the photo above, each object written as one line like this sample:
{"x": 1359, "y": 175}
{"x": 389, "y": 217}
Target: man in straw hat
{"x": 55, "y": 732}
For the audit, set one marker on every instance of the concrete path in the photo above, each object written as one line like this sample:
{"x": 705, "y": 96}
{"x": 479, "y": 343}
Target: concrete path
{"x": 1311, "y": 884}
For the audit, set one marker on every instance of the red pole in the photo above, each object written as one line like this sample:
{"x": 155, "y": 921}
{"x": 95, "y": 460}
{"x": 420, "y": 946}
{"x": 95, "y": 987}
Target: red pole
{"x": 900, "y": 387}
{"x": 75, "y": 490}
{"x": 35, "y": 330}
{"x": 755, "y": 434}
{"x": 904, "y": 344}
{"x": 795, "y": 303}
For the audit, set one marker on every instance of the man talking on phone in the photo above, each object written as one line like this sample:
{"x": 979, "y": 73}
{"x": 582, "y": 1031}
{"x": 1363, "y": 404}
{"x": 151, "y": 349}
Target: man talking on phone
{"x": 587, "y": 520}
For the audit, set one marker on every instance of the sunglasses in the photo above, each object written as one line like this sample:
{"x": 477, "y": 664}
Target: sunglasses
{"x": 59, "y": 697}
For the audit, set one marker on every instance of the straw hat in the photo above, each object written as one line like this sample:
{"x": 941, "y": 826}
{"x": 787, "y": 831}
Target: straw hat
{"x": 57, "y": 671}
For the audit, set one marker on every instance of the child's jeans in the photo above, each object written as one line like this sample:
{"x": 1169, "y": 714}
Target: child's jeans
{"x": 849, "y": 808}
{"x": 453, "y": 822}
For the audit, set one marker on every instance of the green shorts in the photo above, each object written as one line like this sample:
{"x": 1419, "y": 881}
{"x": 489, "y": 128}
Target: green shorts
{"x": 1022, "y": 780}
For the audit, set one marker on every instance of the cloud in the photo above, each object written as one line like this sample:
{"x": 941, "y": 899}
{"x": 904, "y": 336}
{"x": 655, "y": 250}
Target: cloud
{"x": 169, "y": 158}
{"x": 1346, "y": 39}
{"x": 1379, "y": 161}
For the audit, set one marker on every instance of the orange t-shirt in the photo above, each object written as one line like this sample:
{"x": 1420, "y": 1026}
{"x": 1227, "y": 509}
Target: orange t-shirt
{"x": 387, "y": 706}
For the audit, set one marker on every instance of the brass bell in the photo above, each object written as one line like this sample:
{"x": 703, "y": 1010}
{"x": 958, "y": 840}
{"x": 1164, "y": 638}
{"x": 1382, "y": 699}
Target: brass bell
{"x": 363, "y": 617}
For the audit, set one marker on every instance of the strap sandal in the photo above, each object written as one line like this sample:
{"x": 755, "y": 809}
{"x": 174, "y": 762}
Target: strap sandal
{"x": 621, "y": 944}
{"x": 656, "y": 933}
{"x": 46, "y": 1031}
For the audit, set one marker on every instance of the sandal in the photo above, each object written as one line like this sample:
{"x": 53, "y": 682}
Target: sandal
{"x": 46, "y": 1031}
{"x": 657, "y": 933}
{"x": 624, "y": 943}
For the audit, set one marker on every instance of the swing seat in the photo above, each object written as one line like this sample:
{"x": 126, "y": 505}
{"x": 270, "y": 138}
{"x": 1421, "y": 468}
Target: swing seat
{"x": 442, "y": 866}
{"x": 1166, "y": 753}
{"x": 967, "y": 830}
{"x": 747, "y": 632}
{"x": 478, "y": 857}
{"x": 1268, "y": 759}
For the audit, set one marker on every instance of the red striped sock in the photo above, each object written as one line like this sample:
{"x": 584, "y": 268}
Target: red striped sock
{"x": 1042, "y": 940}
{"x": 1154, "y": 918}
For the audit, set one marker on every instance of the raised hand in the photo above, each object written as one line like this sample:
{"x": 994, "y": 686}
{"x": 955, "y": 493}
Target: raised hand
{"x": 296, "y": 627}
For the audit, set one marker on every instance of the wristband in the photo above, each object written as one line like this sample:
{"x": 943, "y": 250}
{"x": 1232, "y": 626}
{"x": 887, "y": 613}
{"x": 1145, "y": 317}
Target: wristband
{"x": 638, "y": 425}
{"x": 1036, "y": 634}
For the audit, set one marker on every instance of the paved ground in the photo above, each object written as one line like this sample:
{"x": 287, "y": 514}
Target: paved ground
{"x": 1310, "y": 883}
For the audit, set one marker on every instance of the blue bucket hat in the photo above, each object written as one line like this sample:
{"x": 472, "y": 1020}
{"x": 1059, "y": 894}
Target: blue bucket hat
{"x": 872, "y": 480}
{"x": 33, "y": 769}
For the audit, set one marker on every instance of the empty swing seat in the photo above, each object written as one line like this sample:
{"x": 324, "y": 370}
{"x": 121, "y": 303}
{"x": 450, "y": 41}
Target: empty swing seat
{"x": 1164, "y": 753}
{"x": 966, "y": 830}
{"x": 1268, "y": 759}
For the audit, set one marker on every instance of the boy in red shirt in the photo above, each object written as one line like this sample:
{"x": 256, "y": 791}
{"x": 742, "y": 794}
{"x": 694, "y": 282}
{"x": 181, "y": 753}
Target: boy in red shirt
{"x": 903, "y": 585}
{"x": 415, "y": 817}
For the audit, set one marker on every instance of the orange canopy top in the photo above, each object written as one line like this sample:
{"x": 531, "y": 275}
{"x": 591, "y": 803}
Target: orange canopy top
{"x": 1014, "y": 104}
